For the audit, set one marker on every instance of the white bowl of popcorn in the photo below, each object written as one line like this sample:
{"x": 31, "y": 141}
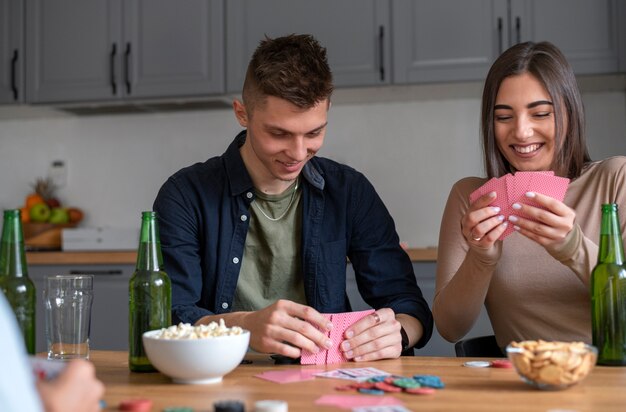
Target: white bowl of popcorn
{"x": 552, "y": 365}
{"x": 196, "y": 354}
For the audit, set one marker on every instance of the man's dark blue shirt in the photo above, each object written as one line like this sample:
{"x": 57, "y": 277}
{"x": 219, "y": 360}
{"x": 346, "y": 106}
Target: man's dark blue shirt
{"x": 204, "y": 214}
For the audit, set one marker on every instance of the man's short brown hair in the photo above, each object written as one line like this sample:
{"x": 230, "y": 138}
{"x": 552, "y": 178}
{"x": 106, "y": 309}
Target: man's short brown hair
{"x": 293, "y": 68}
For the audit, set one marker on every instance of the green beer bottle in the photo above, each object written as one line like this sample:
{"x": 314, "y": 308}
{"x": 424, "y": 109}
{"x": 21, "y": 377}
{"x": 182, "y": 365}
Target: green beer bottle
{"x": 608, "y": 292}
{"x": 14, "y": 281}
{"x": 150, "y": 294}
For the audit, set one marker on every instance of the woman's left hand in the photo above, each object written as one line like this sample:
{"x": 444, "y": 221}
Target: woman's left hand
{"x": 548, "y": 224}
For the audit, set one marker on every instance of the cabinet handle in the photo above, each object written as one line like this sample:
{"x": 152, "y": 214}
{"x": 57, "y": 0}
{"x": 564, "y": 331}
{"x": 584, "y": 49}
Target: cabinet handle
{"x": 96, "y": 272}
{"x": 518, "y": 29}
{"x": 127, "y": 68}
{"x": 112, "y": 68}
{"x": 14, "y": 74}
{"x": 381, "y": 58}
{"x": 499, "y": 36}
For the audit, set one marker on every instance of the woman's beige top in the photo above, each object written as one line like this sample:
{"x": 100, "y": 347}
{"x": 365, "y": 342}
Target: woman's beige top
{"x": 531, "y": 292}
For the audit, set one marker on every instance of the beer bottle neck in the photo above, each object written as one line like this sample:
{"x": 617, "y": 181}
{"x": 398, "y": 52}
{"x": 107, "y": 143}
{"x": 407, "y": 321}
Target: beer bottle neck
{"x": 12, "y": 255}
{"x": 611, "y": 247}
{"x": 149, "y": 254}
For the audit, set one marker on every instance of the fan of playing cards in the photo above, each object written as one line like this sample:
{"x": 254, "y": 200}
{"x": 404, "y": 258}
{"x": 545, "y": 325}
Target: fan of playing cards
{"x": 512, "y": 188}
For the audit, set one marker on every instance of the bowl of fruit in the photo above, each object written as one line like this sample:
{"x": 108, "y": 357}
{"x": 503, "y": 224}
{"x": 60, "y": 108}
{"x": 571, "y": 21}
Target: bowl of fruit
{"x": 44, "y": 217}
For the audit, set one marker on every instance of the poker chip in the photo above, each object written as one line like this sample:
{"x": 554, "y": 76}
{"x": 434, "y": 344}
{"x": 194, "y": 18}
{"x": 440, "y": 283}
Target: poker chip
{"x": 420, "y": 391}
{"x": 270, "y": 406}
{"x": 375, "y": 379}
{"x": 406, "y": 383}
{"x": 383, "y": 386}
{"x": 430, "y": 381}
{"x": 501, "y": 363}
{"x": 344, "y": 388}
{"x": 371, "y": 391}
{"x": 417, "y": 385}
{"x": 136, "y": 405}
{"x": 477, "y": 364}
{"x": 228, "y": 406}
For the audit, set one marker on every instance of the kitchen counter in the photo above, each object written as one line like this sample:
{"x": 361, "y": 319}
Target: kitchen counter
{"x": 130, "y": 257}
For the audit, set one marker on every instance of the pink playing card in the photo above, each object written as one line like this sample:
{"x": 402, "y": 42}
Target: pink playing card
{"x": 553, "y": 186}
{"x": 353, "y": 401}
{"x": 290, "y": 375}
{"x": 492, "y": 185}
{"x": 341, "y": 322}
{"x": 319, "y": 358}
{"x": 497, "y": 185}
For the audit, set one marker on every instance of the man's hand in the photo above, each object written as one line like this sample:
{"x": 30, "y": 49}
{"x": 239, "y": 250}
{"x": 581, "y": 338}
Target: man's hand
{"x": 376, "y": 336}
{"x": 76, "y": 389}
{"x": 286, "y": 328}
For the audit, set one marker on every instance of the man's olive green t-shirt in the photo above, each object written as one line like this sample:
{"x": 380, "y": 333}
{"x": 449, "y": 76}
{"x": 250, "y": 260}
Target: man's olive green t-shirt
{"x": 271, "y": 264}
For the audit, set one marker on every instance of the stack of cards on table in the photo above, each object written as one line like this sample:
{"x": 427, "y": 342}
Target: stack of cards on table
{"x": 341, "y": 322}
{"x": 512, "y": 189}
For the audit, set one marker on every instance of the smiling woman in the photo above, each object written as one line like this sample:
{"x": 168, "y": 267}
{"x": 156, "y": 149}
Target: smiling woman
{"x": 535, "y": 283}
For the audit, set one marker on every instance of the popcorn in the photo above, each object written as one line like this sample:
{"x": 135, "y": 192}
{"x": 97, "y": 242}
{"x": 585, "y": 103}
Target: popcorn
{"x": 186, "y": 331}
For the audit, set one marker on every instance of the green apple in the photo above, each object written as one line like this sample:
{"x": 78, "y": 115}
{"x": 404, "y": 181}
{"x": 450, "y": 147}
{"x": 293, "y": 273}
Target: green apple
{"x": 58, "y": 215}
{"x": 39, "y": 212}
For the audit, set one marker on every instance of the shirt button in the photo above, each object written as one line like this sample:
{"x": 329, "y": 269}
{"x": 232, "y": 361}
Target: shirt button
{"x": 244, "y": 218}
{"x": 224, "y": 305}
{"x": 235, "y": 260}
{"x": 249, "y": 195}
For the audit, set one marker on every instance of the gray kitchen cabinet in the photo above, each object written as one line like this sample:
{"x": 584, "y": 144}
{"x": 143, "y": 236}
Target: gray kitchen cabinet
{"x": 446, "y": 40}
{"x": 109, "y": 315}
{"x": 90, "y": 50}
{"x": 11, "y": 51}
{"x": 354, "y": 32}
{"x": 586, "y": 31}
{"x": 456, "y": 40}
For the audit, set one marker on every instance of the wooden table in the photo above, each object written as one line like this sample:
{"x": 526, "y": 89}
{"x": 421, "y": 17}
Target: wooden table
{"x": 467, "y": 389}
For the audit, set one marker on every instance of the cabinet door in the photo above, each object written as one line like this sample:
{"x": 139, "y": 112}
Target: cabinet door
{"x": 586, "y": 31}
{"x": 73, "y": 50}
{"x": 11, "y": 51}
{"x": 446, "y": 40}
{"x": 173, "y": 48}
{"x": 354, "y": 32}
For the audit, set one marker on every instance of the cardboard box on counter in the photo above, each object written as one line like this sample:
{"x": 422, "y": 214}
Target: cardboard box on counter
{"x": 100, "y": 238}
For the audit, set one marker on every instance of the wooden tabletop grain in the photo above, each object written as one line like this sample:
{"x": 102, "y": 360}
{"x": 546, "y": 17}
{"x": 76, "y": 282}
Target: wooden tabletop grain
{"x": 467, "y": 389}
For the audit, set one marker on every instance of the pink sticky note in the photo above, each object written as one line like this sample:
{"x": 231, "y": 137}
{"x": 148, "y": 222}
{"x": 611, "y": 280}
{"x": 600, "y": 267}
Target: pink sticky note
{"x": 355, "y": 401}
{"x": 291, "y": 375}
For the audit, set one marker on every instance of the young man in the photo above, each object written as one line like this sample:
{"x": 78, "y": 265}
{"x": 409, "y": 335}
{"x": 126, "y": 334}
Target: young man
{"x": 259, "y": 236}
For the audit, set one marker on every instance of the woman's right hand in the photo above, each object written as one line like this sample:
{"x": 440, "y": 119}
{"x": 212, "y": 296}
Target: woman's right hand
{"x": 482, "y": 225}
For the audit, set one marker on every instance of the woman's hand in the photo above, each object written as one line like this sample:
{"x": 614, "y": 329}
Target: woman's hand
{"x": 548, "y": 223}
{"x": 482, "y": 225}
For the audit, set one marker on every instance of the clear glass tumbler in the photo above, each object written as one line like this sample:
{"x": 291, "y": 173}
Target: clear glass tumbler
{"x": 67, "y": 305}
